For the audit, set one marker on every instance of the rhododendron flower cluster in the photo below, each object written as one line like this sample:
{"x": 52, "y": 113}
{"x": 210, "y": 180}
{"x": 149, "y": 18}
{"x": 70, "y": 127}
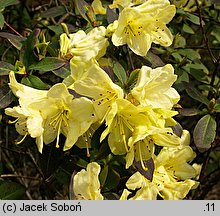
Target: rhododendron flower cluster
{"x": 137, "y": 121}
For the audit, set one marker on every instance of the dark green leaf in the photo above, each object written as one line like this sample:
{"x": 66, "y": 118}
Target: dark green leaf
{"x": 154, "y": 59}
{"x": 82, "y": 7}
{"x": 150, "y": 165}
{"x": 35, "y": 82}
{"x": 195, "y": 94}
{"x": 57, "y": 29}
{"x": 15, "y": 40}
{"x": 133, "y": 77}
{"x": 54, "y": 12}
{"x": 5, "y": 68}
{"x": 62, "y": 72}
{"x": 6, "y": 3}
{"x": 112, "y": 180}
{"x": 11, "y": 190}
{"x": 27, "y": 55}
{"x": 6, "y": 96}
{"x": 2, "y": 19}
{"x": 204, "y": 133}
{"x": 119, "y": 71}
{"x": 189, "y": 112}
{"x": 103, "y": 175}
{"x": 48, "y": 64}
{"x": 217, "y": 105}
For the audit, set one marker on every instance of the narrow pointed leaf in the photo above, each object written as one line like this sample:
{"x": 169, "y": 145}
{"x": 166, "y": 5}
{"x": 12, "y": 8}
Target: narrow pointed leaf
{"x": 6, "y": 96}
{"x": 195, "y": 94}
{"x": 48, "y": 64}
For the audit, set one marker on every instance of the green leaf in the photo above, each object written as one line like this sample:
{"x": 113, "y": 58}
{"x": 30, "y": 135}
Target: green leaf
{"x": 27, "y": 55}
{"x": 154, "y": 59}
{"x": 179, "y": 41}
{"x": 188, "y": 29}
{"x": 57, "y": 29}
{"x": 195, "y": 94}
{"x": 103, "y": 175}
{"x": 6, "y": 3}
{"x": 133, "y": 78}
{"x": 15, "y": 40}
{"x": 193, "y": 18}
{"x": 189, "y": 112}
{"x": 35, "y": 82}
{"x": 189, "y": 53}
{"x": 54, "y": 12}
{"x": 48, "y": 64}
{"x": 2, "y": 19}
{"x": 62, "y": 72}
{"x": 204, "y": 133}
{"x": 217, "y": 105}
{"x": 11, "y": 191}
{"x": 112, "y": 179}
{"x": 82, "y": 7}
{"x": 119, "y": 71}
{"x": 6, "y": 96}
{"x": 5, "y": 68}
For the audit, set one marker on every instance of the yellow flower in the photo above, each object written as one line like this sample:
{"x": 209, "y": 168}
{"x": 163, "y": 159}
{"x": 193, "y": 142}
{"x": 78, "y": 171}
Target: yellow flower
{"x": 86, "y": 185}
{"x": 64, "y": 114}
{"x": 82, "y": 46}
{"x": 97, "y": 85}
{"x": 121, "y": 121}
{"x": 125, "y": 3}
{"x": 154, "y": 87}
{"x": 141, "y": 25}
{"x": 171, "y": 177}
{"x": 97, "y": 7}
{"x": 29, "y": 120}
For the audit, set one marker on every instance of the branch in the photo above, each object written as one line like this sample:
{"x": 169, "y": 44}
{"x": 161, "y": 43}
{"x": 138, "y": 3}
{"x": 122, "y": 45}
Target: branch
{"x": 204, "y": 34}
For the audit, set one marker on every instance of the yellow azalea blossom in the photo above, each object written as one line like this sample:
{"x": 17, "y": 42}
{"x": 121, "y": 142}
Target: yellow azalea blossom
{"x": 154, "y": 87}
{"x": 141, "y": 25}
{"x": 29, "y": 120}
{"x": 64, "y": 114}
{"x": 141, "y": 143}
{"x": 86, "y": 185}
{"x": 82, "y": 46}
{"x": 171, "y": 177}
{"x": 121, "y": 121}
{"x": 125, "y": 3}
{"x": 97, "y": 7}
{"x": 98, "y": 86}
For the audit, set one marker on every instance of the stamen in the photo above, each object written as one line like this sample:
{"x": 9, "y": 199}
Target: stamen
{"x": 140, "y": 155}
{"x": 12, "y": 122}
{"x": 121, "y": 128}
{"x": 18, "y": 142}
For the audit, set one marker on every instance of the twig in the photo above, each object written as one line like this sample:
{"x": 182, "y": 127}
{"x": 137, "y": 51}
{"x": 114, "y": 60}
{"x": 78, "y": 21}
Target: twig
{"x": 19, "y": 176}
{"x": 204, "y": 34}
{"x": 13, "y": 29}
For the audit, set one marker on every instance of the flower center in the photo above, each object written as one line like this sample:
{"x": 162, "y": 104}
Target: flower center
{"x": 58, "y": 120}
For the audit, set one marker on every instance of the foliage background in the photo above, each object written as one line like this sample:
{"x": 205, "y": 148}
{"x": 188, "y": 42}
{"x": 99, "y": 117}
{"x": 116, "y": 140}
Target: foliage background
{"x": 27, "y": 26}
